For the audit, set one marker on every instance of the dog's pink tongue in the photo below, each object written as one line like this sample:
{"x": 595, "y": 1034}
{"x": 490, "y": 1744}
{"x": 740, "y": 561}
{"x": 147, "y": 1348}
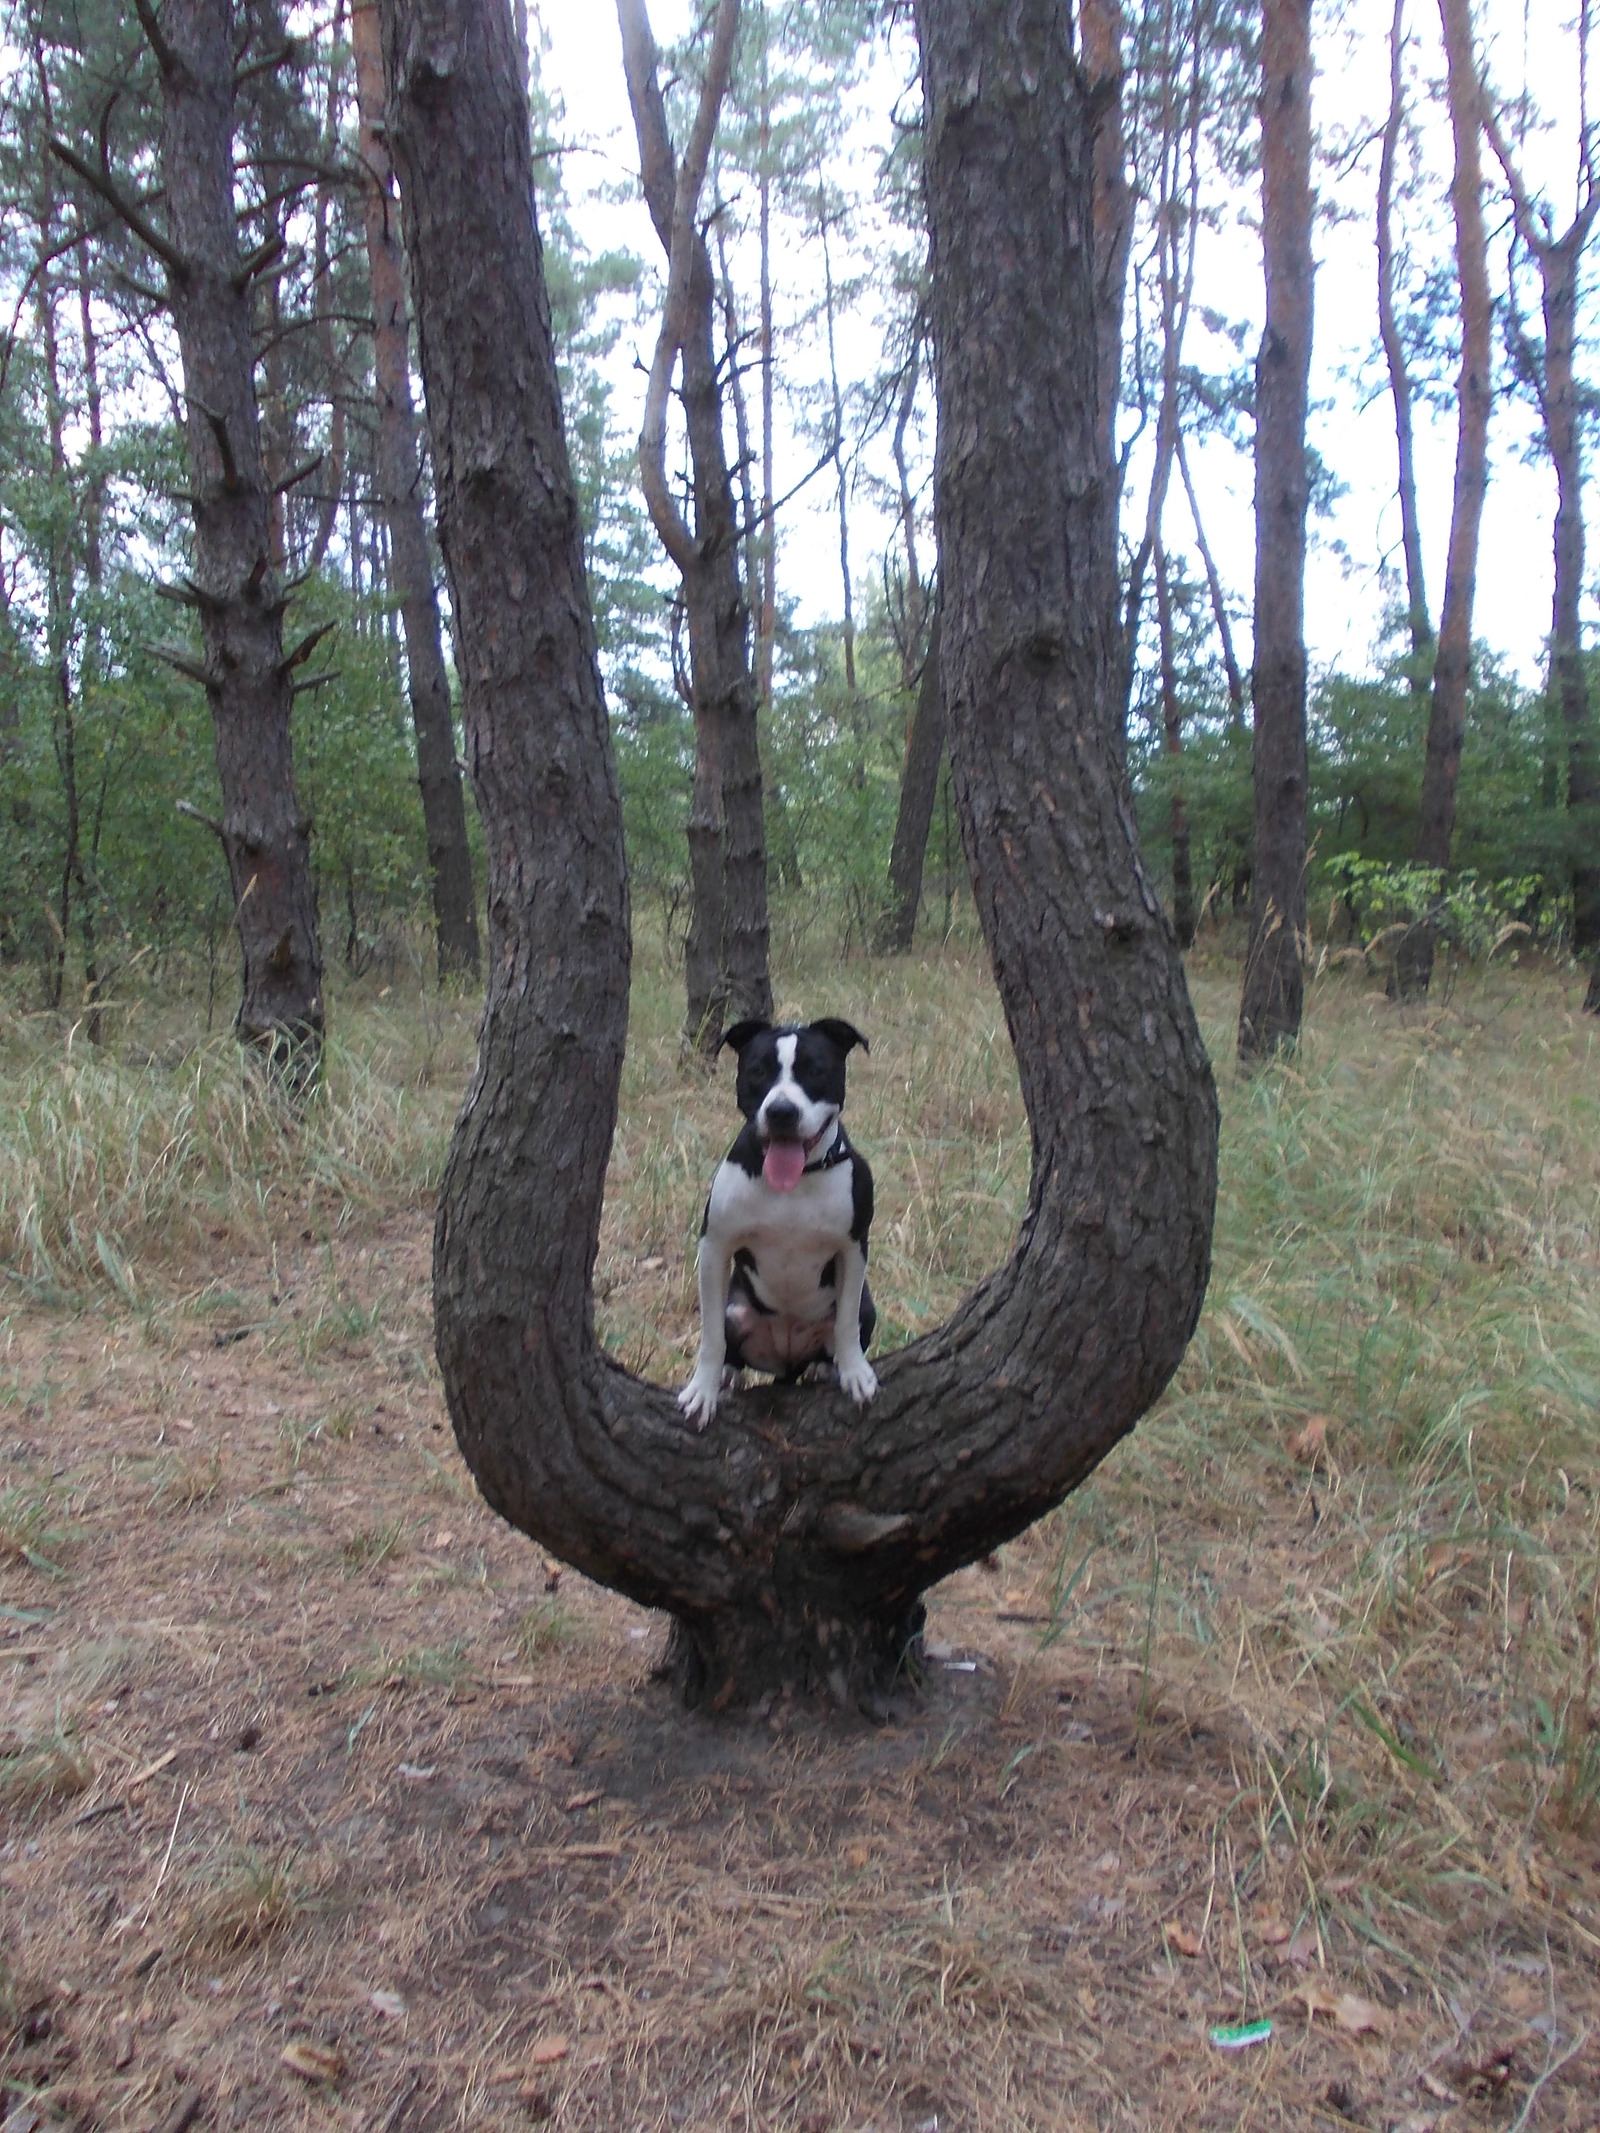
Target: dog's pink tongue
{"x": 783, "y": 1165}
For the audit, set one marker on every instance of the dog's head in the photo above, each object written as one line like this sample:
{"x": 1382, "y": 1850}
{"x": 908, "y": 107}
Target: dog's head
{"x": 791, "y": 1080}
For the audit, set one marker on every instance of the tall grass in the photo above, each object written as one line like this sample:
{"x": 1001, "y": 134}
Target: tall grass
{"x": 118, "y": 1163}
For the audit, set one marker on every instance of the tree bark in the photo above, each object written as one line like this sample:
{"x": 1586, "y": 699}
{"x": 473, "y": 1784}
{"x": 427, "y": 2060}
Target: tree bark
{"x": 249, "y": 683}
{"x": 919, "y": 788}
{"x": 444, "y": 814}
{"x": 727, "y": 972}
{"x": 1172, "y": 738}
{"x": 1270, "y": 1002}
{"x": 792, "y": 1542}
{"x": 1419, "y": 623}
{"x": 1452, "y": 665}
{"x": 1100, "y": 28}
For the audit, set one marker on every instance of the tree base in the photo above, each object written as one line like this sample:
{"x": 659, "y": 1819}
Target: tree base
{"x": 729, "y": 1662}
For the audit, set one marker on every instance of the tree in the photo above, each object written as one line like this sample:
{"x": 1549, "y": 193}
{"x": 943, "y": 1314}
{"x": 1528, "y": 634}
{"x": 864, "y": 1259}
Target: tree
{"x": 399, "y": 489}
{"x": 792, "y": 1543}
{"x": 1270, "y": 1001}
{"x": 1452, "y": 663}
{"x": 248, "y": 677}
{"x": 726, "y": 961}
{"x": 919, "y": 786}
{"x": 1419, "y": 622}
{"x": 1550, "y": 371}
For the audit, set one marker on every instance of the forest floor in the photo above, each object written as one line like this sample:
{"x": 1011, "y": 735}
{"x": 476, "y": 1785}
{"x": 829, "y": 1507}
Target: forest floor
{"x": 327, "y": 1801}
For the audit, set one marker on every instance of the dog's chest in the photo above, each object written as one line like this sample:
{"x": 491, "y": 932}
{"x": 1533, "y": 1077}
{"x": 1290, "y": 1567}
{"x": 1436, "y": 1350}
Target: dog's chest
{"x": 792, "y": 1237}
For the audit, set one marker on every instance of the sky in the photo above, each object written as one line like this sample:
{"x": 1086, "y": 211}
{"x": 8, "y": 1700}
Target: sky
{"x": 1351, "y": 423}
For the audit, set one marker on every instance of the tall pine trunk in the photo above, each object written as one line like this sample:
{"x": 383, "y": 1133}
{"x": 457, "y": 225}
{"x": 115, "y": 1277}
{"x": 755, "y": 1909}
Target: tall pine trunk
{"x": 444, "y": 812}
{"x": 1172, "y": 741}
{"x": 1452, "y": 664}
{"x": 919, "y": 788}
{"x": 1419, "y": 623}
{"x": 1553, "y": 377}
{"x": 1270, "y": 1003}
{"x": 249, "y": 681}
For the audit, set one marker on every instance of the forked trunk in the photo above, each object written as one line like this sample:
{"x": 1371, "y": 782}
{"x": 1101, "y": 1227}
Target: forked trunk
{"x": 248, "y": 681}
{"x": 1270, "y": 1002}
{"x": 727, "y": 968}
{"x": 1452, "y": 665}
{"x": 444, "y": 814}
{"x": 793, "y": 1540}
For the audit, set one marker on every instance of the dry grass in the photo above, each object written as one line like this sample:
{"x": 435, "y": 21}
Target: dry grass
{"x": 1291, "y": 1710}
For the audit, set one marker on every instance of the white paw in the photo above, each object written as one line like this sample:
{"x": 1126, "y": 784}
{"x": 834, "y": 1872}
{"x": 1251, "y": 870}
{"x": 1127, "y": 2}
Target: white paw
{"x": 698, "y": 1398}
{"x": 859, "y": 1379}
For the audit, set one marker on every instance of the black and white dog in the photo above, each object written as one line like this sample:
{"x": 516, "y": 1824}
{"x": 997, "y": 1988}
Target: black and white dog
{"x": 783, "y": 1247}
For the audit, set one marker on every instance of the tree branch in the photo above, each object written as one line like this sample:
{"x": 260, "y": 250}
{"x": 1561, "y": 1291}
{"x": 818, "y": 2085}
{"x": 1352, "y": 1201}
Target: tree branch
{"x": 305, "y": 648}
{"x": 259, "y": 260}
{"x": 183, "y": 663}
{"x": 101, "y": 183}
{"x": 286, "y": 55}
{"x": 210, "y": 822}
{"x": 297, "y": 474}
{"x": 166, "y": 58}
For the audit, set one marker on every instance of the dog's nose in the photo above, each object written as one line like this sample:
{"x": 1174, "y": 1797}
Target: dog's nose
{"x": 782, "y": 1118}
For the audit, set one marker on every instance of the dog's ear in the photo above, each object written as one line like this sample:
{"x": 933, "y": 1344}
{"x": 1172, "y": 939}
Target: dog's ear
{"x": 742, "y": 1032}
{"x": 843, "y": 1034}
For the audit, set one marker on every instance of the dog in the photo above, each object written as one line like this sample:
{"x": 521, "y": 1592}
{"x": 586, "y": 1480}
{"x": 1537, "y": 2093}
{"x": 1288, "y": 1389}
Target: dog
{"x": 782, "y": 1265}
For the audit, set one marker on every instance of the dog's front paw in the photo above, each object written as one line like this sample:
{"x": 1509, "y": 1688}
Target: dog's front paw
{"x": 859, "y": 1379}
{"x": 698, "y": 1398}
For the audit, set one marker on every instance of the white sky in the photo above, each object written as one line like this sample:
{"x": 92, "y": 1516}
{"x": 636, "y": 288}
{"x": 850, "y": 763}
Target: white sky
{"x": 1352, "y": 422}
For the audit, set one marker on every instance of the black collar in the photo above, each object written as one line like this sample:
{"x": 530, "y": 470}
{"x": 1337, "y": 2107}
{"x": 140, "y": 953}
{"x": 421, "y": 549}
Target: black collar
{"x": 838, "y": 1153}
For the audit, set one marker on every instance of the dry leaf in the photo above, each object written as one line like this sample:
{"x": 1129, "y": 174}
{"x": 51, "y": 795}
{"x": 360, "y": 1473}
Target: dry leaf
{"x": 583, "y": 1799}
{"x": 1310, "y": 1445}
{"x": 856, "y": 1856}
{"x": 548, "y": 2050}
{"x": 312, "y": 2062}
{"x": 1349, "y": 2010}
{"x": 1357, "y": 2015}
{"x": 1181, "y": 1938}
{"x": 1271, "y": 1931}
{"x": 1302, "y": 1950}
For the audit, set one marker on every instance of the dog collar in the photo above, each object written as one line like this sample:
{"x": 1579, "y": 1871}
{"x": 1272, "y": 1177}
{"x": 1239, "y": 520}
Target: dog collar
{"x": 838, "y": 1153}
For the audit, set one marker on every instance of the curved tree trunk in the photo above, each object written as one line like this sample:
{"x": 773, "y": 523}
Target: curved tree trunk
{"x": 444, "y": 813}
{"x": 1273, "y": 991}
{"x": 1452, "y": 664}
{"x": 793, "y": 1540}
{"x": 248, "y": 681}
{"x": 919, "y": 788}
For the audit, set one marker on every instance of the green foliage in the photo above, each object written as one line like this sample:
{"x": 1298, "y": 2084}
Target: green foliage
{"x": 1476, "y": 917}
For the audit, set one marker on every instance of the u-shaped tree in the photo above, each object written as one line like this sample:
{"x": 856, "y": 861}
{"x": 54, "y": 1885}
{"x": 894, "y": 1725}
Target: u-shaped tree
{"x": 792, "y": 1541}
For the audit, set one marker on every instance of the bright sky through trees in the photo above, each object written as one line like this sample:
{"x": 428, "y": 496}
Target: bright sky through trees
{"x": 1354, "y": 563}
